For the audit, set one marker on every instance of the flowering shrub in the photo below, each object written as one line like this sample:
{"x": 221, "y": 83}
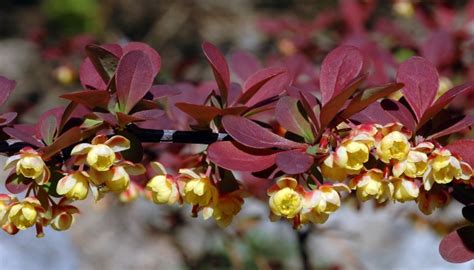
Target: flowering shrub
{"x": 312, "y": 148}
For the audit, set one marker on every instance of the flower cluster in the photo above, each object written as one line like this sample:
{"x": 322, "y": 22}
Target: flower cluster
{"x": 197, "y": 190}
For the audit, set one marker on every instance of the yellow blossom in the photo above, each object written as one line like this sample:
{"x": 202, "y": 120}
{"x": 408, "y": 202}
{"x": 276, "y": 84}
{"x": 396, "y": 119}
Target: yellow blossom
{"x": 352, "y": 155}
{"x": 198, "y": 189}
{"x": 74, "y": 186}
{"x": 394, "y": 145}
{"x": 372, "y": 185}
{"x": 226, "y": 208}
{"x": 163, "y": 189}
{"x": 413, "y": 166}
{"x": 286, "y": 198}
{"x": 404, "y": 190}
{"x": 62, "y": 221}
{"x": 29, "y": 164}
{"x": 443, "y": 168}
{"x": 24, "y": 214}
{"x": 101, "y": 154}
{"x": 330, "y": 170}
{"x": 322, "y": 202}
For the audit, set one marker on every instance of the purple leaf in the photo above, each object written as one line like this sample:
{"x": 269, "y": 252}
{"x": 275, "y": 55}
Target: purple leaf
{"x": 252, "y": 135}
{"x": 228, "y": 156}
{"x": 22, "y": 136}
{"x": 133, "y": 79}
{"x": 439, "y": 48}
{"x": 244, "y": 64}
{"x": 6, "y": 87}
{"x": 163, "y": 90}
{"x": 289, "y": 117}
{"x": 219, "y": 68}
{"x": 421, "y": 82}
{"x": 255, "y": 82}
{"x": 294, "y": 161}
{"x": 47, "y": 125}
{"x": 105, "y": 59}
{"x": 149, "y": 51}
{"x": 399, "y": 113}
{"x": 463, "y": 148}
{"x": 458, "y": 246}
{"x": 464, "y": 123}
{"x": 7, "y": 118}
{"x": 89, "y": 77}
{"x": 444, "y": 100}
{"x": 340, "y": 67}
{"x": 272, "y": 88}
{"x": 15, "y": 185}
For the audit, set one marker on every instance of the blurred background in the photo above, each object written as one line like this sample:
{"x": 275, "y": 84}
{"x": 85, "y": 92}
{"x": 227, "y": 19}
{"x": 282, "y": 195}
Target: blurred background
{"x": 41, "y": 47}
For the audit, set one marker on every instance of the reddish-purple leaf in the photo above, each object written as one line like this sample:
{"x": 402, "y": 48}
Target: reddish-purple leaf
{"x": 294, "y": 161}
{"x": 149, "y": 114}
{"x": 228, "y": 156}
{"x": 163, "y": 90}
{"x": 330, "y": 109}
{"x": 149, "y": 51}
{"x": 255, "y": 82}
{"x": 22, "y": 136}
{"x": 340, "y": 67}
{"x": 385, "y": 112}
{"x": 399, "y": 113}
{"x": 219, "y": 68}
{"x": 421, "y": 81}
{"x": 444, "y": 100}
{"x": 201, "y": 113}
{"x": 14, "y": 184}
{"x": 133, "y": 79}
{"x": 89, "y": 77}
{"x": 6, "y": 87}
{"x": 462, "y": 124}
{"x": 47, "y": 125}
{"x": 7, "y": 118}
{"x": 105, "y": 59}
{"x": 458, "y": 246}
{"x": 272, "y": 88}
{"x": 252, "y": 135}
{"x": 289, "y": 117}
{"x": 89, "y": 98}
{"x": 244, "y": 64}
{"x": 463, "y": 148}
{"x": 369, "y": 96}
{"x": 439, "y": 48}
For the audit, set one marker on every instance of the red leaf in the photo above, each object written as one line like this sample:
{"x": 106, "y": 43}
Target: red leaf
{"x": 272, "y": 88}
{"x": 89, "y": 98}
{"x": 47, "y": 126}
{"x": 201, "y": 113}
{"x": 104, "y": 58}
{"x": 15, "y": 185}
{"x": 149, "y": 51}
{"x": 89, "y": 77}
{"x": 369, "y": 96}
{"x": 464, "y": 123}
{"x": 294, "y": 161}
{"x": 340, "y": 67}
{"x": 255, "y": 82}
{"x": 6, "y": 87}
{"x": 228, "y": 156}
{"x": 289, "y": 117}
{"x": 444, "y": 100}
{"x": 22, "y": 136}
{"x": 251, "y": 134}
{"x": 330, "y": 109}
{"x": 421, "y": 82}
{"x": 163, "y": 90}
{"x": 399, "y": 113}
{"x": 219, "y": 68}
{"x": 457, "y": 246}
{"x": 439, "y": 48}
{"x": 133, "y": 79}
{"x": 7, "y": 118}
{"x": 244, "y": 64}
{"x": 463, "y": 148}
{"x": 388, "y": 111}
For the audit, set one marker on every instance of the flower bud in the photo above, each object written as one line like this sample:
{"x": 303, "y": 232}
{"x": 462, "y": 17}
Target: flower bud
{"x": 74, "y": 186}
{"x": 62, "y": 221}
{"x": 200, "y": 191}
{"x": 404, "y": 190}
{"x": 330, "y": 170}
{"x": 30, "y": 165}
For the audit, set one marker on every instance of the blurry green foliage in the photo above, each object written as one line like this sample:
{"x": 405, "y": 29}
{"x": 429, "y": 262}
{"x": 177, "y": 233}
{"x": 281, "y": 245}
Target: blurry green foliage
{"x": 70, "y": 17}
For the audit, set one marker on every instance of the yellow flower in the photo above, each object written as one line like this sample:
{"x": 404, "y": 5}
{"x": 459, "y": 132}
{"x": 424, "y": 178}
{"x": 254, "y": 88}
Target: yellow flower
{"x": 443, "y": 168}
{"x": 30, "y": 165}
{"x": 372, "y": 185}
{"x": 24, "y": 214}
{"x": 74, "y": 186}
{"x": 330, "y": 170}
{"x": 320, "y": 203}
{"x": 352, "y": 155}
{"x": 413, "y": 166}
{"x": 286, "y": 198}
{"x": 62, "y": 221}
{"x": 100, "y": 155}
{"x": 5, "y": 201}
{"x": 404, "y": 8}
{"x": 198, "y": 189}
{"x": 404, "y": 190}
{"x": 394, "y": 145}
{"x": 164, "y": 190}
{"x": 227, "y": 207}
{"x": 131, "y": 193}
{"x": 117, "y": 178}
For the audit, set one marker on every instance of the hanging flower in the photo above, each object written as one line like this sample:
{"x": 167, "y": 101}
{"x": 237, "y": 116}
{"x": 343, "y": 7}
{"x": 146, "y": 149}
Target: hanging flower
{"x": 29, "y": 164}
